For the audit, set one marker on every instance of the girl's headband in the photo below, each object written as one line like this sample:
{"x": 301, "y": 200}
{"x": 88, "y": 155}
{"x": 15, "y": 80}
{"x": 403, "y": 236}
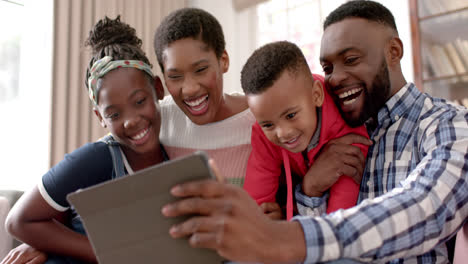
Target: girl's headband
{"x": 106, "y": 64}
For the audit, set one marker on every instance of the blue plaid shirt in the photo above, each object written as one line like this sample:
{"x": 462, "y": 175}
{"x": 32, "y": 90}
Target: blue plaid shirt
{"x": 414, "y": 190}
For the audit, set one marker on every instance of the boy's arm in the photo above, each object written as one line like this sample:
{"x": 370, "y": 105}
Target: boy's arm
{"x": 344, "y": 193}
{"x": 33, "y": 221}
{"x": 263, "y": 168}
{"x": 338, "y": 157}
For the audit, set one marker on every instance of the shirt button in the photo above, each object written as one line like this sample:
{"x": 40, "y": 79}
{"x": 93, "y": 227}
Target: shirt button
{"x": 397, "y": 117}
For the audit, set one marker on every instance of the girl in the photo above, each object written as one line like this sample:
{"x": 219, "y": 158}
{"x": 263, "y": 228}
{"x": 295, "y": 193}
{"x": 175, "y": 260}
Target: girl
{"x": 124, "y": 93}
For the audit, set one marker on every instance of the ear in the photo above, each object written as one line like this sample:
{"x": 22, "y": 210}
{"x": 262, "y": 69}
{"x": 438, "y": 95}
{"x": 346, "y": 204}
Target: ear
{"x": 394, "y": 51}
{"x": 99, "y": 116}
{"x": 158, "y": 87}
{"x": 317, "y": 93}
{"x": 224, "y": 61}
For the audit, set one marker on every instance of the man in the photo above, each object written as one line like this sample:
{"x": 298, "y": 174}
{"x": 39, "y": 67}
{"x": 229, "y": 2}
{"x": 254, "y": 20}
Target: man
{"x": 414, "y": 190}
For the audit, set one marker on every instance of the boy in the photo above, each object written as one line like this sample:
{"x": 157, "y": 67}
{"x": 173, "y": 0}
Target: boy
{"x": 295, "y": 118}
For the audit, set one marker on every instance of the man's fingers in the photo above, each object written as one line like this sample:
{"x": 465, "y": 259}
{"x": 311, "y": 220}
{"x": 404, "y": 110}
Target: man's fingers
{"x": 216, "y": 171}
{"x": 199, "y": 224}
{"x": 270, "y": 207}
{"x": 353, "y": 139}
{"x": 206, "y": 240}
{"x": 352, "y": 165}
{"x": 196, "y": 205}
{"x": 202, "y": 188}
{"x": 351, "y": 172}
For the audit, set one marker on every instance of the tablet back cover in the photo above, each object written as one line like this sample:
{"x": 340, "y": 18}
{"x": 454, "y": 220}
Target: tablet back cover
{"x": 123, "y": 217}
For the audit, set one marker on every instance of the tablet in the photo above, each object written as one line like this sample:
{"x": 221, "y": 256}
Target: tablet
{"x": 123, "y": 219}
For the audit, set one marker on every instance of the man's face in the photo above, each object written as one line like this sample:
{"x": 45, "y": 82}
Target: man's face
{"x": 353, "y": 60}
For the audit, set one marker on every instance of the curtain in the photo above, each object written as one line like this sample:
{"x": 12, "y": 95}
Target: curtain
{"x": 73, "y": 122}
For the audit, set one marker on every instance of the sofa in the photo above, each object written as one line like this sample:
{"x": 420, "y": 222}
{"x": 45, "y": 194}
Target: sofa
{"x": 7, "y": 199}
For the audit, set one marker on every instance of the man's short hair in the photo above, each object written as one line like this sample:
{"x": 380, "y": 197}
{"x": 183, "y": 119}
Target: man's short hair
{"x": 268, "y": 62}
{"x": 368, "y": 10}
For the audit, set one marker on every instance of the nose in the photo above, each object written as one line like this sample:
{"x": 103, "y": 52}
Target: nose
{"x": 336, "y": 78}
{"x": 283, "y": 132}
{"x": 190, "y": 86}
{"x": 131, "y": 121}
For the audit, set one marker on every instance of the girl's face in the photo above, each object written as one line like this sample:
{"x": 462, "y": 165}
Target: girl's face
{"x": 128, "y": 109}
{"x": 194, "y": 78}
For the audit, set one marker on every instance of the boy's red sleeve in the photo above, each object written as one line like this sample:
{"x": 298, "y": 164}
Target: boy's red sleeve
{"x": 344, "y": 193}
{"x": 263, "y": 168}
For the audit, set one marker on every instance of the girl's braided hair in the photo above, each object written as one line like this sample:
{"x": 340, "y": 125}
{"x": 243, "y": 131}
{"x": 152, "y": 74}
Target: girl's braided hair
{"x": 112, "y": 37}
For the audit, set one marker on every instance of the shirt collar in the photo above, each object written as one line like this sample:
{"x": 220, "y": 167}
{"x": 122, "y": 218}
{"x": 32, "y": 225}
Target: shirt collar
{"x": 399, "y": 103}
{"x": 316, "y": 137}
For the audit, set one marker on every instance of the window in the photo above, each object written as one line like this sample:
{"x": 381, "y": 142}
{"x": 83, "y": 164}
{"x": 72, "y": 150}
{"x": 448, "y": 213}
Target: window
{"x": 25, "y": 74}
{"x": 301, "y": 21}
{"x": 298, "y": 21}
{"x": 10, "y": 41}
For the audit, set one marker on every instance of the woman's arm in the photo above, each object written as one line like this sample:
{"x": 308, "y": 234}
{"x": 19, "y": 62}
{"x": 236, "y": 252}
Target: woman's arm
{"x": 33, "y": 221}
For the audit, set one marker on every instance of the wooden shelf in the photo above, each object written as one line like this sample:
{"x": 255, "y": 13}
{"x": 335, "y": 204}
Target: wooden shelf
{"x": 446, "y": 77}
{"x": 439, "y": 31}
{"x": 443, "y": 13}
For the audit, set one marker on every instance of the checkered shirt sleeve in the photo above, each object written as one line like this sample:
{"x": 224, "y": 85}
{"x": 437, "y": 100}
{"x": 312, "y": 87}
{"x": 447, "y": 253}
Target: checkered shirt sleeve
{"x": 402, "y": 219}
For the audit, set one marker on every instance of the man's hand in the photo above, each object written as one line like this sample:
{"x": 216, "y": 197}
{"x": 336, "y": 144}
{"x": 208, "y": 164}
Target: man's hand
{"x": 272, "y": 210}
{"x": 24, "y": 254}
{"x": 230, "y": 222}
{"x": 337, "y": 158}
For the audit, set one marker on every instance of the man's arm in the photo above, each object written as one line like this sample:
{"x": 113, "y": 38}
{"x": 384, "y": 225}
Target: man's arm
{"x": 338, "y": 157}
{"x": 231, "y": 223}
{"x": 423, "y": 212}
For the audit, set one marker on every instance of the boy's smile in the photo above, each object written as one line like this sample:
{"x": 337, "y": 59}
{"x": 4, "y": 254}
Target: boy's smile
{"x": 287, "y": 111}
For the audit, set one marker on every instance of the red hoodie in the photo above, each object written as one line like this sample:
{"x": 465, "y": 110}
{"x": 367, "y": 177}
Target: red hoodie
{"x": 267, "y": 159}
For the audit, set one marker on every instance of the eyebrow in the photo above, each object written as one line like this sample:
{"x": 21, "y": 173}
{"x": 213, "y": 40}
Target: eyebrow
{"x": 288, "y": 110}
{"x": 282, "y": 114}
{"x": 132, "y": 94}
{"x": 192, "y": 65}
{"x": 340, "y": 53}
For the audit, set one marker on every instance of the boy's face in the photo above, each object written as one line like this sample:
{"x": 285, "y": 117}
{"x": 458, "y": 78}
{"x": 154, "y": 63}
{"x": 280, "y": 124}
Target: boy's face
{"x": 128, "y": 110}
{"x": 287, "y": 111}
{"x": 194, "y": 78}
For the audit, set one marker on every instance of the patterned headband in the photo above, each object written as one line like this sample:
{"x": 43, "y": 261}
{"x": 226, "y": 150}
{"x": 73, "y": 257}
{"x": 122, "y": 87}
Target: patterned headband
{"x": 106, "y": 64}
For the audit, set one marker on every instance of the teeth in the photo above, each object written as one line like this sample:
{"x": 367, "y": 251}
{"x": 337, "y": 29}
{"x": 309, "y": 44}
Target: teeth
{"x": 347, "y": 102}
{"x": 292, "y": 140}
{"x": 348, "y": 93}
{"x": 197, "y": 102}
{"x": 140, "y": 135}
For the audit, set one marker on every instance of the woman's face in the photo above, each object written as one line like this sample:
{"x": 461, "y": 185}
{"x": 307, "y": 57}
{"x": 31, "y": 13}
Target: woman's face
{"x": 128, "y": 109}
{"x": 194, "y": 78}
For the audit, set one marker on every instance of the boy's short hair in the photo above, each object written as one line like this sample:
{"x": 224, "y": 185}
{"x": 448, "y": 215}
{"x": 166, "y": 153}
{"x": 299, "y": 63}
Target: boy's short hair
{"x": 189, "y": 23}
{"x": 268, "y": 62}
{"x": 368, "y": 10}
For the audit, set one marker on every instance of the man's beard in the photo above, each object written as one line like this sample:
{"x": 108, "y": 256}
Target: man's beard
{"x": 374, "y": 98}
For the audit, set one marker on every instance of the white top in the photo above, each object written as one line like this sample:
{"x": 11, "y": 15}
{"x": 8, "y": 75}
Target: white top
{"x": 226, "y": 141}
